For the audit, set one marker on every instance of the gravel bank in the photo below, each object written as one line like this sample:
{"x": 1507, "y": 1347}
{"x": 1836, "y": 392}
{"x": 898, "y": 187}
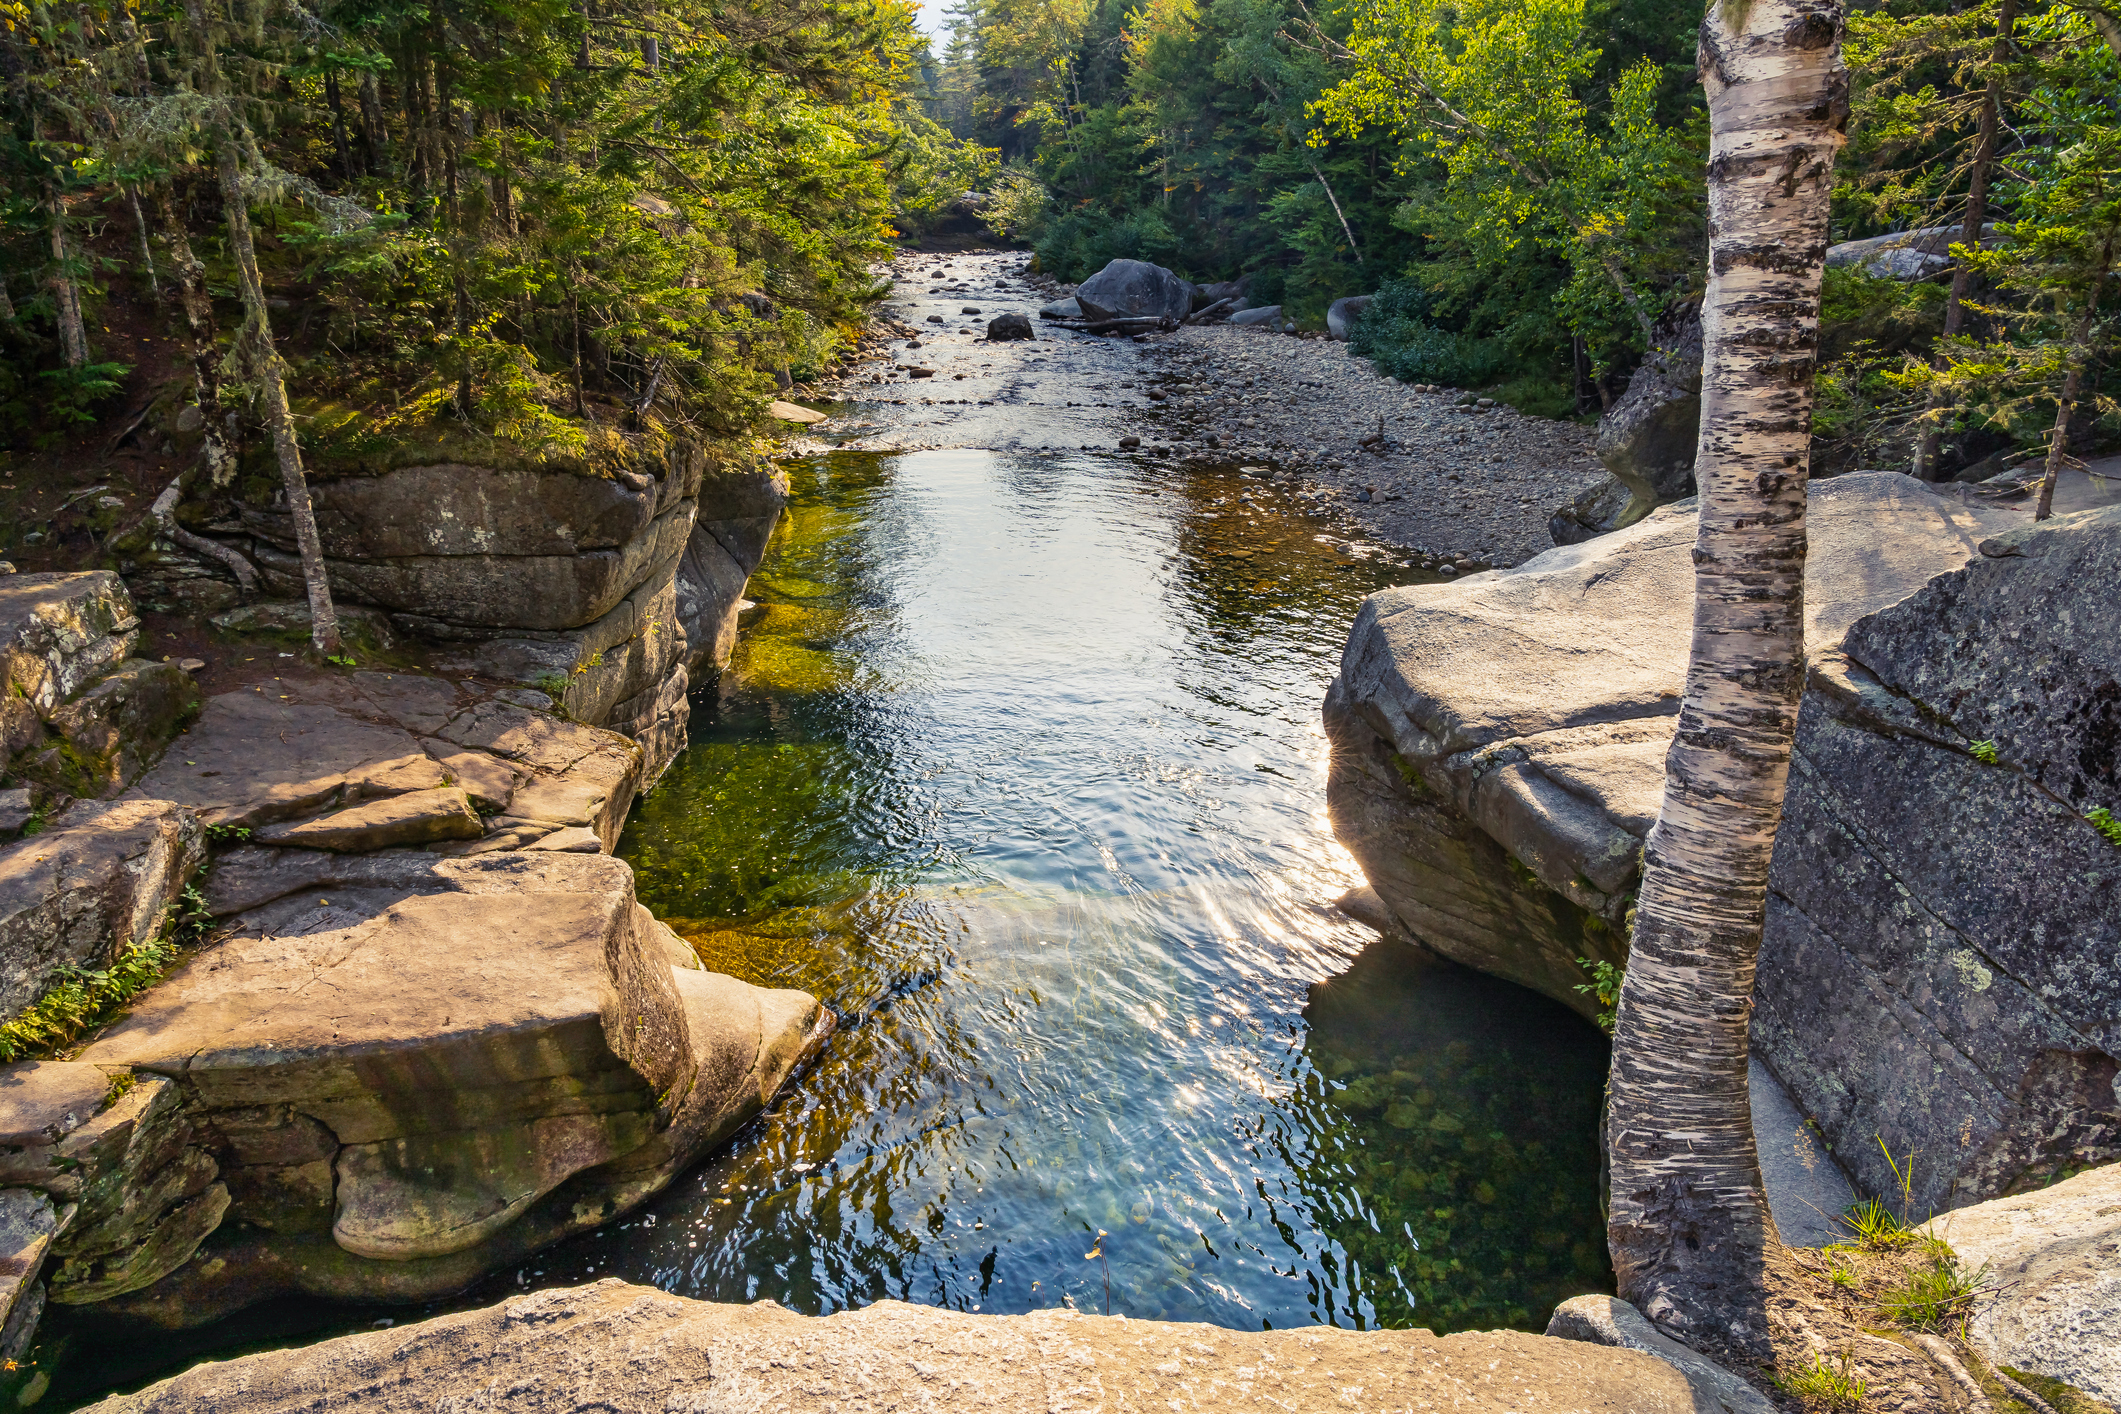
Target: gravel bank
{"x": 1445, "y": 483}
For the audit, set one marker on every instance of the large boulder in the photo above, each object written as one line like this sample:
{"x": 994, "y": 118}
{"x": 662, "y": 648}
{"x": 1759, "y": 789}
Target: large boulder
{"x": 1647, "y": 439}
{"x": 635, "y": 1350}
{"x": 402, "y": 1071}
{"x": 2053, "y": 1299}
{"x": 1499, "y": 812}
{"x": 1268, "y": 314}
{"x": 1342, "y": 314}
{"x": 1134, "y": 289}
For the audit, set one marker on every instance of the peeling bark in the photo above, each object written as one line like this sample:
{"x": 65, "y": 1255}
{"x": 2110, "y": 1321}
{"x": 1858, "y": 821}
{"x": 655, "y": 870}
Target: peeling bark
{"x": 1689, "y": 1224}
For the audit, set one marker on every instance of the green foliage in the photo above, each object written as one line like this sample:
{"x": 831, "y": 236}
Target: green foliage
{"x": 225, "y": 834}
{"x": 1984, "y": 752}
{"x": 1876, "y": 1227}
{"x": 2102, "y": 820}
{"x": 1396, "y": 333}
{"x": 546, "y": 223}
{"x": 83, "y": 998}
{"x": 1499, "y": 92}
{"x": 1604, "y": 988}
{"x": 1827, "y": 1385}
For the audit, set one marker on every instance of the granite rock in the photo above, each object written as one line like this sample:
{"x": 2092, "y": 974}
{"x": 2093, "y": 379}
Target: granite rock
{"x": 636, "y": 1350}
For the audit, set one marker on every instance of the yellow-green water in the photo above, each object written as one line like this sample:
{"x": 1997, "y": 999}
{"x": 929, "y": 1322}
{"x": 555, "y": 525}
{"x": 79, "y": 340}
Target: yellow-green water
{"x": 1018, "y": 768}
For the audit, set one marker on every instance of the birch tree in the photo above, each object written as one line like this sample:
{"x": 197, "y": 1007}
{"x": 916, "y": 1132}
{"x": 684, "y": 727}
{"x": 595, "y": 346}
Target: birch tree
{"x": 1689, "y": 1223}
{"x": 233, "y": 143}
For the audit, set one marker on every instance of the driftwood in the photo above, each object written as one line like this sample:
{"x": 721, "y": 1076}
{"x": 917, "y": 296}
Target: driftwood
{"x": 1141, "y": 325}
{"x": 1215, "y": 310}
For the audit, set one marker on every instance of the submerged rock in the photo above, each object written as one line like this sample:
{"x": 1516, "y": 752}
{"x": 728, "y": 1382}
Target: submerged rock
{"x": 1498, "y": 749}
{"x": 635, "y": 1350}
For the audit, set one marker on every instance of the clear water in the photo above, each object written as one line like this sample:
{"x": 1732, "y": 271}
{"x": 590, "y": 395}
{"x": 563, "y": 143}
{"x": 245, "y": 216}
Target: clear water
{"x": 1019, "y": 769}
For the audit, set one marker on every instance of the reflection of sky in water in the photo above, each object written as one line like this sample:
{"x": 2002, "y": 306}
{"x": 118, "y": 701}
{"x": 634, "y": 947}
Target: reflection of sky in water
{"x": 1019, "y": 769}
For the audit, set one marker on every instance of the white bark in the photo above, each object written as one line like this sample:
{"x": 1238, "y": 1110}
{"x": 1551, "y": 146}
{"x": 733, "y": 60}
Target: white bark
{"x": 1689, "y": 1224}
{"x": 66, "y": 295}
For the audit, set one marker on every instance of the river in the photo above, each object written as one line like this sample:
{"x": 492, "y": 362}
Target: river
{"x": 1018, "y": 767}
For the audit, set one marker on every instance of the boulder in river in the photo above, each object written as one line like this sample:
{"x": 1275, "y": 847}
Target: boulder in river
{"x": 1342, "y": 314}
{"x": 1009, "y": 326}
{"x": 1498, "y": 749}
{"x": 1134, "y": 289}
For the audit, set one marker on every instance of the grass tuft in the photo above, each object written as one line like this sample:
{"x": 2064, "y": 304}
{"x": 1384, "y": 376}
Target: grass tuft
{"x": 1822, "y": 1385}
{"x": 1934, "y": 1296}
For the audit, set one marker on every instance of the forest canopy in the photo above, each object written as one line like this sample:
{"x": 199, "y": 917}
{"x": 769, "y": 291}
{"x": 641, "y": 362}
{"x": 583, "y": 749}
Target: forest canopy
{"x": 1521, "y": 181}
{"x": 537, "y": 218}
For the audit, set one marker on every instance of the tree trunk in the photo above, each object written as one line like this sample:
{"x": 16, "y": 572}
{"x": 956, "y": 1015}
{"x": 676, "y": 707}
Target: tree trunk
{"x": 272, "y": 389}
{"x": 1926, "y": 446}
{"x": 231, "y": 137}
{"x": 375, "y": 131}
{"x": 147, "y": 252}
{"x": 338, "y": 125}
{"x": 452, "y": 137}
{"x": 201, "y": 339}
{"x": 66, "y": 295}
{"x": 2080, "y": 350}
{"x": 1689, "y": 1225}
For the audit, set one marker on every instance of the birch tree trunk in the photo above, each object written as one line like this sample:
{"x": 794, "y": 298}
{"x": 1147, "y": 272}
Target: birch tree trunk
{"x": 272, "y": 391}
{"x": 233, "y": 138}
{"x": 1689, "y": 1224}
{"x": 66, "y": 295}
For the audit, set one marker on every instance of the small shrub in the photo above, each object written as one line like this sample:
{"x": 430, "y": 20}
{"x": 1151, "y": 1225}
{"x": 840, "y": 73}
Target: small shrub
{"x": 1396, "y": 333}
{"x": 1821, "y": 1385}
{"x": 227, "y": 834}
{"x": 553, "y": 685}
{"x": 1984, "y": 752}
{"x": 1604, "y": 988}
{"x": 2102, "y": 820}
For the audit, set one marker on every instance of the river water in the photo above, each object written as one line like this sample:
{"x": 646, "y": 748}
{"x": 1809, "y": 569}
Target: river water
{"x": 1018, "y": 768}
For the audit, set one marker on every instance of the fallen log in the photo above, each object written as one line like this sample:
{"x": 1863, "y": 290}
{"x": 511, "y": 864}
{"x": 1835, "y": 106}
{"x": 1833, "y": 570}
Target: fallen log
{"x": 1140, "y": 325}
{"x": 1214, "y": 310}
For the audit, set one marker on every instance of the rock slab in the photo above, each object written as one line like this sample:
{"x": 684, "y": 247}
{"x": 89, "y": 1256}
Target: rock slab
{"x": 635, "y": 1350}
{"x": 1499, "y": 813}
{"x": 2054, "y": 1273}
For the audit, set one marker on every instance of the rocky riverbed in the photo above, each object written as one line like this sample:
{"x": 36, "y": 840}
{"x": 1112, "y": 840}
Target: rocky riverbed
{"x": 1412, "y": 470}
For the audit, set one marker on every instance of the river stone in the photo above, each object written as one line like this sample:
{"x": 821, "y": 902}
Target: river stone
{"x": 1342, "y": 314}
{"x": 43, "y": 1101}
{"x": 465, "y": 1046}
{"x": 2054, "y": 1278}
{"x": 1004, "y": 327}
{"x": 1497, "y": 815}
{"x": 1988, "y": 1035}
{"x": 416, "y": 817}
{"x": 27, "y": 1226}
{"x": 794, "y": 412}
{"x": 98, "y": 879}
{"x": 112, "y": 732}
{"x": 635, "y": 1350}
{"x": 1265, "y": 314}
{"x": 60, "y": 632}
{"x": 1069, "y": 308}
{"x": 1134, "y": 289}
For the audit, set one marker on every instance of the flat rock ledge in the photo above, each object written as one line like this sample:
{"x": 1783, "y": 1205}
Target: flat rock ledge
{"x": 391, "y": 1074}
{"x": 634, "y": 1350}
